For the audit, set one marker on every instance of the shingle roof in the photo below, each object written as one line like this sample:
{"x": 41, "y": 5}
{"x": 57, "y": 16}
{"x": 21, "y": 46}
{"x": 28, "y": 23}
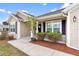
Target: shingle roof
{"x": 19, "y": 18}
{"x": 28, "y": 14}
{"x": 51, "y": 13}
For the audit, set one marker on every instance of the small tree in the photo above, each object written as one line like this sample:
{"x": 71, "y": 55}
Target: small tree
{"x": 32, "y": 23}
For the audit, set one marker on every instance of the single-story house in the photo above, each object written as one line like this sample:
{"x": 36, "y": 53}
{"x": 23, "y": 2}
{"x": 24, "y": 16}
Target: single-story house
{"x": 1, "y": 28}
{"x": 4, "y": 27}
{"x": 64, "y": 21}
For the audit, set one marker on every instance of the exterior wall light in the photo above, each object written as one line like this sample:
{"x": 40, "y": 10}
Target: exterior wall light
{"x": 74, "y": 19}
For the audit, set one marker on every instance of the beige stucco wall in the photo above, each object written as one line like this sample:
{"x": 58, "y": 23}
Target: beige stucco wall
{"x": 73, "y": 39}
{"x": 24, "y": 29}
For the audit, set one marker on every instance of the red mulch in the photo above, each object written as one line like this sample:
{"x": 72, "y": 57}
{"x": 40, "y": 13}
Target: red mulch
{"x": 58, "y": 46}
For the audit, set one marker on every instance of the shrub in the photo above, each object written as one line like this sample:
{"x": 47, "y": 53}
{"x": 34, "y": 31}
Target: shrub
{"x": 3, "y": 35}
{"x": 54, "y": 36}
{"x": 11, "y": 37}
{"x": 33, "y": 39}
{"x": 40, "y": 35}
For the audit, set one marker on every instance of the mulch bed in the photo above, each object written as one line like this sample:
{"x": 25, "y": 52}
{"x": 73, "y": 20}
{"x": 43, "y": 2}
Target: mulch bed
{"x": 58, "y": 46}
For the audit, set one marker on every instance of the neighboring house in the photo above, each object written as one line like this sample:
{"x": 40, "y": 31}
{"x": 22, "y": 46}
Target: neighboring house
{"x": 1, "y": 28}
{"x": 64, "y": 21}
{"x": 5, "y": 26}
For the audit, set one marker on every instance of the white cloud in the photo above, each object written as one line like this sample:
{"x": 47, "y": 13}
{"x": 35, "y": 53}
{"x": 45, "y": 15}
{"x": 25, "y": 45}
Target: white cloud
{"x": 53, "y": 10}
{"x": 5, "y": 11}
{"x": 44, "y": 4}
{"x": 25, "y": 11}
{"x": 2, "y": 10}
{"x": 9, "y": 12}
{"x": 65, "y": 5}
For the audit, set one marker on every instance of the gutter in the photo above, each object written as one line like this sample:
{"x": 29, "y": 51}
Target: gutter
{"x": 64, "y": 14}
{"x": 65, "y": 11}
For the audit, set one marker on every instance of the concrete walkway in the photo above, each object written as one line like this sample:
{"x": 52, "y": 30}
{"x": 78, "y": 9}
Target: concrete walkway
{"x": 35, "y": 50}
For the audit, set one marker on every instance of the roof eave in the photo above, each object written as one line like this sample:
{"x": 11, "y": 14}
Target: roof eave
{"x": 65, "y": 11}
{"x": 50, "y": 17}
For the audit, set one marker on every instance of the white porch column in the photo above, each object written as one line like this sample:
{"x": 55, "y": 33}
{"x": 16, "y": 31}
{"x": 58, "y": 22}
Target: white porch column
{"x": 31, "y": 34}
{"x": 41, "y": 26}
{"x": 32, "y": 30}
{"x": 68, "y": 31}
{"x": 61, "y": 26}
{"x": 18, "y": 29}
{"x": 37, "y": 27}
{"x": 45, "y": 26}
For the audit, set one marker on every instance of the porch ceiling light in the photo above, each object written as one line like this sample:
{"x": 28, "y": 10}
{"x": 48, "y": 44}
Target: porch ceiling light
{"x": 74, "y": 19}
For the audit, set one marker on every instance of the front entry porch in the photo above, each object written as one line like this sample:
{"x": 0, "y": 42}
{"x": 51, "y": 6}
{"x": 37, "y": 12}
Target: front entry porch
{"x": 52, "y": 26}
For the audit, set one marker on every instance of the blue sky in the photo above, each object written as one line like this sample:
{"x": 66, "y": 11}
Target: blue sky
{"x": 33, "y": 8}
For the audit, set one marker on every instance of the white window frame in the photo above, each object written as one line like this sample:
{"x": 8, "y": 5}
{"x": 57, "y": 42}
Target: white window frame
{"x": 56, "y": 23}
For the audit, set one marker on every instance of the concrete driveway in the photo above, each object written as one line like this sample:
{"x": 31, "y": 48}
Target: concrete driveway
{"x": 35, "y": 50}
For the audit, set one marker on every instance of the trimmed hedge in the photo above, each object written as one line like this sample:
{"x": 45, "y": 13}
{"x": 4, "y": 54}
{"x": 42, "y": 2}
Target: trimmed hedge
{"x": 40, "y": 35}
{"x": 54, "y": 36}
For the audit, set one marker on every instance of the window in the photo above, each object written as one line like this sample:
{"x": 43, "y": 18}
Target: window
{"x": 12, "y": 28}
{"x": 54, "y": 27}
{"x": 49, "y": 27}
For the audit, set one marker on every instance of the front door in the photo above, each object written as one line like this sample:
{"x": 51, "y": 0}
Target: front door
{"x": 41, "y": 27}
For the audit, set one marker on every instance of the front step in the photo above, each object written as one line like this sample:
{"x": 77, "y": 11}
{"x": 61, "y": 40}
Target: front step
{"x": 24, "y": 39}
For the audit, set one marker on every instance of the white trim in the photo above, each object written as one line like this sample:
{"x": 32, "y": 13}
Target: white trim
{"x": 72, "y": 47}
{"x": 37, "y": 27}
{"x": 18, "y": 30}
{"x": 74, "y": 9}
{"x": 41, "y": 26}
{"x": 45, "y": 26}
{"x": 68, "y": 30}
{"x": 50, "y": 16}
{"x": 23, "y": 13}
{"x": 31, "y": 34}
{"x": 70, "y": 8}
{"x": 61, "y": 26}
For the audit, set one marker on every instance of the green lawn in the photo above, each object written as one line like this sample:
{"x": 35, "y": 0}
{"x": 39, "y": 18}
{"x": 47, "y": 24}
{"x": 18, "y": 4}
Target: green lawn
{"x": 8, "y": 50}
